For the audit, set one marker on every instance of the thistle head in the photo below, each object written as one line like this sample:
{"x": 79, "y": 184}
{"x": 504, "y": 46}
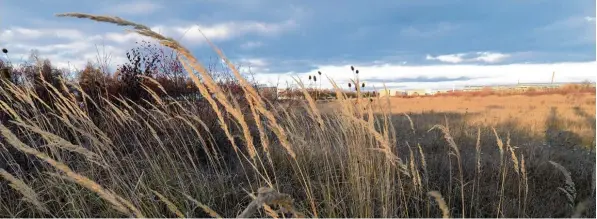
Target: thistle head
{"x": 4, "y": 50}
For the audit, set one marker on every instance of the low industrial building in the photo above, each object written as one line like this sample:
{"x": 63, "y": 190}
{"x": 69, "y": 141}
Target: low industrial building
{"x": 392, "y": 92}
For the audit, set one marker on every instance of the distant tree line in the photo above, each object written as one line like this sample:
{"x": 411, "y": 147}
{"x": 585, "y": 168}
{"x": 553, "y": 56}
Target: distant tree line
{"x": 133, "y": 80}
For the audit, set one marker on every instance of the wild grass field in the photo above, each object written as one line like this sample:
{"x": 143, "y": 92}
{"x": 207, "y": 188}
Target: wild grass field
{"x": 235, "y": 153}
{"x": 567, "y": 118}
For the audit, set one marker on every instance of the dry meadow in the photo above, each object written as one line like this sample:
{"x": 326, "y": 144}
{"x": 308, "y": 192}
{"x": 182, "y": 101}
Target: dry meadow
{"x": 570, "y": 116}
{"x": 247, "y": 156}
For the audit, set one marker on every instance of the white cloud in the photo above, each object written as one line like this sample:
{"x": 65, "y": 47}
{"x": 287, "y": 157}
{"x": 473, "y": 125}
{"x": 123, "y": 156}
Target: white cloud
{"x": 134, "y": 8}
{"x": 72, "y": 48}
{"x": 451, "y": 58}
{"x": 225, "y": 31}
{"x": 66, "y": 48}
{"x": 488, "y": 57}
{"x": 255, "y": 62}
{"x": 460, "y": 75}
{"x": 21, "y": 33}
{"x": 123, "y": 38}
{"x": 252, "y": 65}
{"x": 589, "y": 19}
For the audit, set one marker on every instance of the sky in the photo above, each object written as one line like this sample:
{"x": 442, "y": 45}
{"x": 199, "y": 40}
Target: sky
{"x": 402, "y": 44}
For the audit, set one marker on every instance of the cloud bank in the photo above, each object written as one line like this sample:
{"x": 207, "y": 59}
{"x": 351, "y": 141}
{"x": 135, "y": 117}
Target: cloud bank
{"x": 441, "y": 76}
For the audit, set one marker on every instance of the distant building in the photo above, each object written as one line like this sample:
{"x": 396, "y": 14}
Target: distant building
{"x": 441, "y": 92}
{"x": 390, "y": 92}
{"x": 515, "y": 87}
{"x": 414, "y": 92}
{"x": 418, "y": 92}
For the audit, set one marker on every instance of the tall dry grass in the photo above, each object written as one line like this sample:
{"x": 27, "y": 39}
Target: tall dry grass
{"x": 161, "y": 159}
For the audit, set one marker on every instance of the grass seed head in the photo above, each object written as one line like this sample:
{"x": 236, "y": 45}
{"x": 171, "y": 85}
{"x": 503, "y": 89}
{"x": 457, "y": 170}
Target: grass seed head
{"x": 440, "y": 201}
{"x": 28, "y": 193}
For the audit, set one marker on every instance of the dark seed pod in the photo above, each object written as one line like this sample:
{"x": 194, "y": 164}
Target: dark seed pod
{"x": 352, "y": 68}
{"x": 370, "y": 99}
{"x": 4, "y": 50}
{"x": 319, "y": 72}
{"x": 357, "y": 71}
{"x": 314, "y": 78}
{"x": 309, "y": 77}
{"x": 363, "y": 85}
{"x": 349, "y": 85}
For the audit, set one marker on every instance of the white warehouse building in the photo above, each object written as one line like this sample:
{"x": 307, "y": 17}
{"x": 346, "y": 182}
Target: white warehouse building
{"x": 390, "y": 92}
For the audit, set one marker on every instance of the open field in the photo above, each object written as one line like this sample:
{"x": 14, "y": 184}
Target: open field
{"x": 239, "y": 154}
{"x": 551, "y": 116}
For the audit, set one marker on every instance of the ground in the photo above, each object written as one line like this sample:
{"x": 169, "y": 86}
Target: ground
{"x": 542, "y": 115}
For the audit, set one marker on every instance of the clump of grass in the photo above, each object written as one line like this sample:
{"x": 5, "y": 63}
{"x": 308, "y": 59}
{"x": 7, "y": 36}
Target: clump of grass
{"x": 525, "y": 181}
{"x": 569, "y": 190}
{"x": 28, "y": 193}
{"x": 503, "y": 172}
{"x": 456, "y": 152}
{"x": 115, "y": 200}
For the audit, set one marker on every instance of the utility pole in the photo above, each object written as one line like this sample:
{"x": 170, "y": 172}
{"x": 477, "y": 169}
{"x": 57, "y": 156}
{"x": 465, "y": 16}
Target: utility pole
{"x": 553, "y": 75}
